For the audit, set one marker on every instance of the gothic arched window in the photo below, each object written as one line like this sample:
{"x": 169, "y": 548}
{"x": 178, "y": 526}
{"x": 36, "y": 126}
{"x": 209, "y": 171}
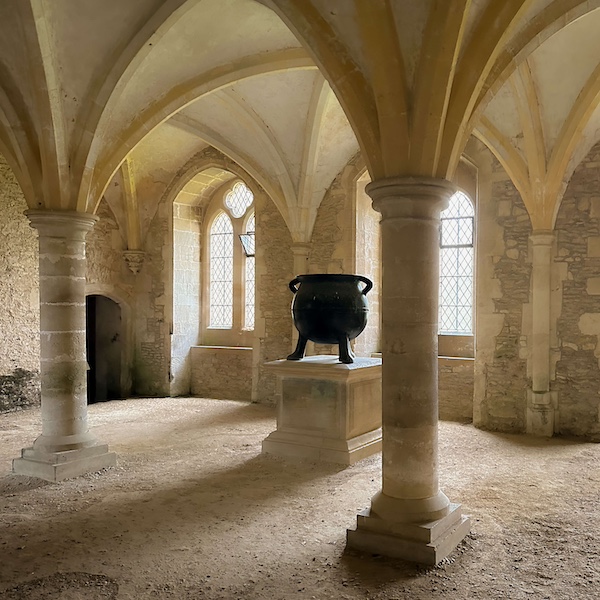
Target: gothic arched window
{"x": 229, "y": 271}
{"x": 456, "y": 267}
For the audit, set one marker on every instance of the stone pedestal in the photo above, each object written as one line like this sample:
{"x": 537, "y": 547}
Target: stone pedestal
{"x": 65, "y": 447}
{"x": 328, "y": 410}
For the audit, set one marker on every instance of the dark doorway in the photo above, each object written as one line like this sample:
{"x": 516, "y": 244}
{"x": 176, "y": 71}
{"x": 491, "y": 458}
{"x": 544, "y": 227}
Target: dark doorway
{"x": 103, "y": 348}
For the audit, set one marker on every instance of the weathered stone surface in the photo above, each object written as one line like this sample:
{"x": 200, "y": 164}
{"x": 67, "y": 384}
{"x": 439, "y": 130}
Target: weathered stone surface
{"x": 274, "y": 269}
{"x": 187, "y": 228}
{"x": 503, "y": 285}
{"x": 221, "y": 372}
{"x": 455, "y": 389}
{"x": 152, "y": 349}
{"x": 19, "y": 297}
{"x": 18, "y": 390}
{"x": 577, "y": 371}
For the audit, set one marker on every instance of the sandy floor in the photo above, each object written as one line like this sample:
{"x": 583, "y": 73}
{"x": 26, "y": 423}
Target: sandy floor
{"x": 195, "y": 511}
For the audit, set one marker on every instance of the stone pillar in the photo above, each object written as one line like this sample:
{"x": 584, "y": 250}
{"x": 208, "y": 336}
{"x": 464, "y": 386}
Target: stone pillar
{"x": 540, "y": 400}
{"x": 410, "y": 517}
{"x": 65, "y": 448}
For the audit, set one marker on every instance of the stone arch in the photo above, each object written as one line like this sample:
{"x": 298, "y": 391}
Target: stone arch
{"x": 211, "y": 157}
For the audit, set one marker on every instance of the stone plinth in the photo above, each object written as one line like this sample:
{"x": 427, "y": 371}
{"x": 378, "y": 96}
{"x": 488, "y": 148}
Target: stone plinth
{"x": 427, "y": 543}
{"x": 328, "y": 410}
{"x": 56, "y": 466}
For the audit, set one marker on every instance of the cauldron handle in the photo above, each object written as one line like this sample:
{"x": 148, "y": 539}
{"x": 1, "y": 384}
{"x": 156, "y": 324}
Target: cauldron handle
{"x": 368, "y": 284}
{"x": 293, "y": 284}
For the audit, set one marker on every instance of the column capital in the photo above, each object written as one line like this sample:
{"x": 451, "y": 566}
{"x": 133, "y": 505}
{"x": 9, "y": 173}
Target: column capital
{"x": 61, "y": 223}
{"x": 416, "y": 197}
{"x": 542, "y": 237}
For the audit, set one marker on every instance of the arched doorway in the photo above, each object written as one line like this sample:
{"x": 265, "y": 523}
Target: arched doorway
{"x": 104, "y": 344}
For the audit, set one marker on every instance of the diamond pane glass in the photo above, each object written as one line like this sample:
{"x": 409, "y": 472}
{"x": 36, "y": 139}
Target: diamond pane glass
{"x": 456, "y": 267}
{"x": 239, "y": 199}
{"x": 221, "y": 273}
{"x": 249, "y": 282}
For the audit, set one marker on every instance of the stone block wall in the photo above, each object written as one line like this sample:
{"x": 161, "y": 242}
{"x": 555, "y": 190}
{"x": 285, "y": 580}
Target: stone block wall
{"x": 153, "y": 309}
{"x": 19, "y": 298}
{"x": 502, "y": 289}
{"x": 221, "y": 372}
{"x": 274, "y": 269}
{"x": 187, "y": 224}
{"x": 142, "y": 296}
{"x": 368, "y": 263}
{"x": 578, "y": 326}
{"x": 455, "y": 389}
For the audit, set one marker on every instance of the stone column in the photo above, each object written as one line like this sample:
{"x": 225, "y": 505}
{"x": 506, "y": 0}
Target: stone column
{"x": 65, "y": 447}
{"x": 540, "y": 401}
{"x": 410, "y": 517}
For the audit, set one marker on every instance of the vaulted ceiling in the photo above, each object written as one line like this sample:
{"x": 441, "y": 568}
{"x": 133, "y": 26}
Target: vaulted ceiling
{"x": 291, "y": 90}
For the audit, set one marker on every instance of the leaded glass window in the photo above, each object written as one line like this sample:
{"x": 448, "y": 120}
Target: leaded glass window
{"x": 456, "y": 267}
{"x": 238, "y": 199}
{"x": 221, "y": 272}
{"x": 249, "y": 281}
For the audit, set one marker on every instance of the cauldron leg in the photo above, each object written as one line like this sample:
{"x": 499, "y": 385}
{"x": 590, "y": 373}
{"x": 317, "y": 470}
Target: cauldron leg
{"x": 298, "y": 353}
{"x": 346, "y": 354}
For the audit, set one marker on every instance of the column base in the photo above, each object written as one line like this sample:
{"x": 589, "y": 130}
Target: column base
{"x": 56, "y": 466}
{"x": 542, "y": 413}
{"x": 425, "y": 543}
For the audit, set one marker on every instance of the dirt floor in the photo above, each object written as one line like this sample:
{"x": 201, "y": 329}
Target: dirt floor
{"x": 194, "y": 510}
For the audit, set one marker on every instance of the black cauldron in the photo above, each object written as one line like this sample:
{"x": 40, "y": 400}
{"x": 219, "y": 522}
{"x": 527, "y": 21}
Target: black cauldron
{"x": 329, "y": 309}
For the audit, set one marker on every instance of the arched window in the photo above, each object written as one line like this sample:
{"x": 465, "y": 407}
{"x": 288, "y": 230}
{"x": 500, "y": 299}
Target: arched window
{"x": 228, "y": 313}
{"x": 221, "y": 272}
{"x": 456, "y": 267}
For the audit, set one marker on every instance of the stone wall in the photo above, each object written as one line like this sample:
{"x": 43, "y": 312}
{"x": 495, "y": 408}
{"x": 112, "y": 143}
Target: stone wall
{"x": 578, "y": 326}
{"x": 19, "y": 299}
{"x": 106, "y": 268}
{"x": 153, "y": 309}
{"x": 107, "y": 275}
{"x": 502, "y": 289}
{"x": 346, "y": 239}
{"x": 142, "y": 297}
{"x": 274, "y": 269}
{"x": 221, "y": 372}
{"x": 455, "y": 389}
{"x": 332, "y": 242}
{"x": 368, "y": 263}
{"x": 187, "y": 226}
